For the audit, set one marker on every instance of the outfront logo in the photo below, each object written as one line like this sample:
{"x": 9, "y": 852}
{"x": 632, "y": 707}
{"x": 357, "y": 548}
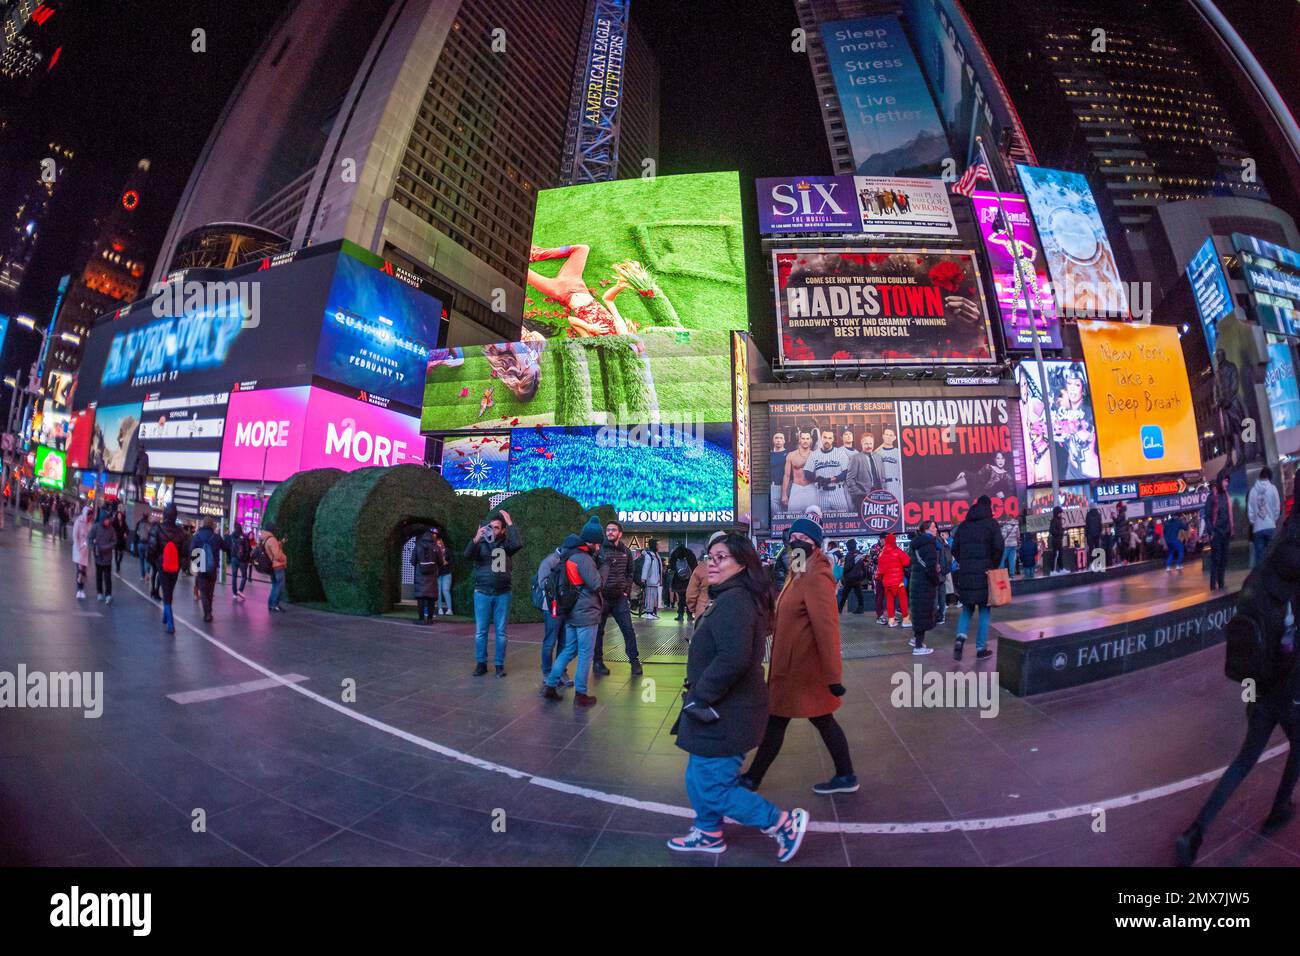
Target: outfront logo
{"x": 1153, "y": 441}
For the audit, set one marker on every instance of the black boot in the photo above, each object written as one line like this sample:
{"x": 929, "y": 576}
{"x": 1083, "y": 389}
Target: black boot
{"x": 1188, "y": 844}
{"x": 1278, "y": 818}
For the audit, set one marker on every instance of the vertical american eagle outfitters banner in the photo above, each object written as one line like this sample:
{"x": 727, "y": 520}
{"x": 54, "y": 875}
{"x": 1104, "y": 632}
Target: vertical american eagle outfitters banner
{"x": 864, "y": 306}
{"x": 870, "y": 467}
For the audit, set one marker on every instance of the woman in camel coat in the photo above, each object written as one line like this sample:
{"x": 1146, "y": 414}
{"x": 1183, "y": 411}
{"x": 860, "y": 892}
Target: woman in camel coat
{"x": 805, "y": 671}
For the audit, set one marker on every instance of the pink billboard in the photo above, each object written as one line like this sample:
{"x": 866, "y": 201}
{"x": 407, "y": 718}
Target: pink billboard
{"x": 286, "y": 430}
{"x": 345, "y": 433}
{"x": 1023, "y": 287}
{"x": 264, "y": 430}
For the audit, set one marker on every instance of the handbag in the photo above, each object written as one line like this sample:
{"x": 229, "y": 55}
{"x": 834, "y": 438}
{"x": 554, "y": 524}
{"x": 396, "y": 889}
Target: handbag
{"x": 999, "y": 587}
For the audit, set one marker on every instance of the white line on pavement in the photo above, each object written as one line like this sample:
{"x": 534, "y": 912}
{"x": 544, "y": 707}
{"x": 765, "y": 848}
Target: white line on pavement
{"x": 935, "y": 826}
{"x": 231, "y": 690}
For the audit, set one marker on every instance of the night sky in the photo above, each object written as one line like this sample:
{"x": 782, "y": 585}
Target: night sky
{"x": 733, "y": 96}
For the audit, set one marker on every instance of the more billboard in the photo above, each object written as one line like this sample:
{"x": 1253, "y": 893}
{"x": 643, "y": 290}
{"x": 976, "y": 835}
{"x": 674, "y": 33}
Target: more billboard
{"x": 871, "y": 467}
{"x": 1272, "y": 274}
{"x": 1024, "y": 289}
{"x": 1085, "y": 277}
{"x": 889, "y": 116}
{"x": 1210, "y": 290}
{"x": 620, "y": 258}
{"x": 1141, "y": 399}
{"x": 864, "y": 306}
{"x": 1069, "y": 400}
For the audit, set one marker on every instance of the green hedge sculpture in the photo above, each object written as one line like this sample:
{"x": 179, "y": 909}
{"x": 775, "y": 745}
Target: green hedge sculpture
{"x": 292, "y": 510}
{"x": 363, "y": 521}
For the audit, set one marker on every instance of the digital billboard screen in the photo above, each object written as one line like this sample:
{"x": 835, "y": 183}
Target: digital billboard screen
{"x": 658, "y": 375}
{"x": 477, "y": 464}
{"x": 1141, "y": 399}
{"x": 182, "y": 435}
{"x": 51, "y": 467}
{"x": 889, "y": 116}
{"x": 1069, "y": 400}
{"x": 1210, "y": 290}
{"x": 115, "y": 441}
{"x": 880, "y": 306}
{"x": 870, "y": 467}
{"x": 891, "y": 205}
{"x": 377, "y": 333}
{"x": 1283, "y": 393}
{"x": 1085, "y": 277}
{"x": 1019, "y": 271}
{"x": 623, "y": 257}
{"x": 807, "y": 204}
{"x": 273, "y": 433}
{"x": 1272, "y": 273}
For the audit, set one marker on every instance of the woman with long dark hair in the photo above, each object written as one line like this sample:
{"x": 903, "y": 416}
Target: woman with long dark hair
{"x": 805, "y": 672}
{"x": 724, "y": 712}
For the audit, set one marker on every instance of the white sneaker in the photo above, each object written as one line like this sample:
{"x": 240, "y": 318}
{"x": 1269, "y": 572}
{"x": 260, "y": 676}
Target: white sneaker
{"x": 99, "y": 598}
{"x": 893, "y": 622}
{"x": 919, "y": 651}
{"x": 652, "y": 616}
{"x": 109, "y": 599}
{"x": 81, "y": 595}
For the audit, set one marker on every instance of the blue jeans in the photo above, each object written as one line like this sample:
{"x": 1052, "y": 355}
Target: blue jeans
{"x": 579, "y": 642}
{"x": 554, "y": 628}
{"x": 711, "y": 785}
{"x": 444, "y": 592}
{"x": 1009, "y": 556}
{"x": 277, "y": 588}
{"x": 1176, "y": 549}
{"x": 1262, "y": 540}
{"x": 490, "y": 609}
{"x": 144, "y": 562}
{"x": 963, "y": 622}
{"x": 238, "y": 575}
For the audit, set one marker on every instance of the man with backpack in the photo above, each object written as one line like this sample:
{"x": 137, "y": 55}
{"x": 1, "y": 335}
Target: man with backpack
{"x": 577, "y": 585}
{"x": 681, "y": 564}
{"x": 240, "y": 558}
{"x": 1260, "y": 654}
{"x": 103, "y": 543}
{"x": 205, "y": 549}
{"x": 165, "y": 553}
{"x": 141, "y": 535}
{"x": 545, "y": 588}
{"x": 269, "y": 558}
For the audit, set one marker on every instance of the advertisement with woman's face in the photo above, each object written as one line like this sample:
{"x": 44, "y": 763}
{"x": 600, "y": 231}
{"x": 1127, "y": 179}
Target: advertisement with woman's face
{"x": 1073, "y": 444}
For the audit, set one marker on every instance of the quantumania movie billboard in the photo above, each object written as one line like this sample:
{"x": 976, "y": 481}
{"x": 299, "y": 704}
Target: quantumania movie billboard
{"x": 870, "y": 467}
{"x": 880, "y": 306}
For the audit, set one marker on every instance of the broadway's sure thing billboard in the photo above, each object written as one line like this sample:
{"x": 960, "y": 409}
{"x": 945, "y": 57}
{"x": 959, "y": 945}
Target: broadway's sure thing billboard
{"x": 1069, "y": 400}
{"x": 1019, "y": 271}
{"x": 880, "y": 306}
{"x": 888, "y": 113}
{"x": 874, "y": 205}
{"x": 1141, "y": 399}
{"x": 1085, "y": 277}
{"x": 869, "y": 467}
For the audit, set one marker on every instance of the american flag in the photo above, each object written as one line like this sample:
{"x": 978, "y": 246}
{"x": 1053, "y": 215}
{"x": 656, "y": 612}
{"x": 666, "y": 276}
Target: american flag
{"x": 973, "y": 174}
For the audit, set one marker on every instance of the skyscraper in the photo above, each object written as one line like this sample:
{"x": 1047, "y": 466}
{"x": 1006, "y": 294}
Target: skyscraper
{"x": 21, "y": 230}
{"x": 1119, "y": 95}
{"x": 111, "y": 276}
{"x": 420, "y": 130}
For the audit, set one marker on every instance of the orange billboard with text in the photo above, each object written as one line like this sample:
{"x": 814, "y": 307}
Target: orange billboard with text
{"x": 1141, "y": 399}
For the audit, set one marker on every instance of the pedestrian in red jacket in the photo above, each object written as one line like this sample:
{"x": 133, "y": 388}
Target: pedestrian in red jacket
{"x": 889, "y": 571}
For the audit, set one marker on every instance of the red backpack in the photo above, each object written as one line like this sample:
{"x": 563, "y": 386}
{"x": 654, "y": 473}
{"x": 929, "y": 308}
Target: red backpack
{"x": 171, "y": 558}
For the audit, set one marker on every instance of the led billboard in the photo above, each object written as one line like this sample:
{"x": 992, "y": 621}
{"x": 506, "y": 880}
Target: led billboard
{"x": 880, "y": 306}
{"x": 870, "y": 467}
{"x": 1210, "y": 290}
{"x": 888, "y": 114}
{"x": 115, "y": 441}
{"x": 1069, "y": 400}
{"x": 183, "y": 434}
{"x": 477, "y": 464}
{"x": 1141, "y": 399}
{"x": 659, "y": 375}
{"x": 1085, "y": 277}
{"x": 1272, "y": 273}
{"x": 623, "y": 257}
{"x": 51, "y": 468}
{"x": 1024, "y": 289}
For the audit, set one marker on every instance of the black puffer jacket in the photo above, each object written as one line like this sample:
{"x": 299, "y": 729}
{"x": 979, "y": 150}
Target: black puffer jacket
{"x": 429, "y": 559}
{"x": 923, "y": 581}
{"x": 618, "y": 578}
{"x": 976, "y": 547}
{"x": 725, "y": 669}
{"x": 480, "y": 552}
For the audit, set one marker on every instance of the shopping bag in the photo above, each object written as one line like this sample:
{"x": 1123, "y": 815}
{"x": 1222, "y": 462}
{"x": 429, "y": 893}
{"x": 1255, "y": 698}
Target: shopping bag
{"x": 999, "y": 587}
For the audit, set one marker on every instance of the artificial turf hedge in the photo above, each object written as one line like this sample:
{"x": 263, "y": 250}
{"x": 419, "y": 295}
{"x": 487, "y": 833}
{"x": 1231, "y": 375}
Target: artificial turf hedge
{"x": 362, "y": 522}
{"x": 292, "y": 511}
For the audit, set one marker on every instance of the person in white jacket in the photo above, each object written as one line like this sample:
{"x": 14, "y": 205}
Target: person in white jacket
{"x": 81, "y": 548}
{"x": 1263, "y": 508}
{"x": 651, "y": 578}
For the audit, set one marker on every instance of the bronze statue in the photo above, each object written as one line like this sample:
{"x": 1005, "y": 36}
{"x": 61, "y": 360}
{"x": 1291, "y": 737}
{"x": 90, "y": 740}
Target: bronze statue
{"x": 1232, "y": 411}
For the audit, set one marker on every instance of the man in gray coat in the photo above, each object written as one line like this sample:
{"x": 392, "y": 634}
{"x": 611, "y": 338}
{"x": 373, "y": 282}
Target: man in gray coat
{"x": 585, "y": 582}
